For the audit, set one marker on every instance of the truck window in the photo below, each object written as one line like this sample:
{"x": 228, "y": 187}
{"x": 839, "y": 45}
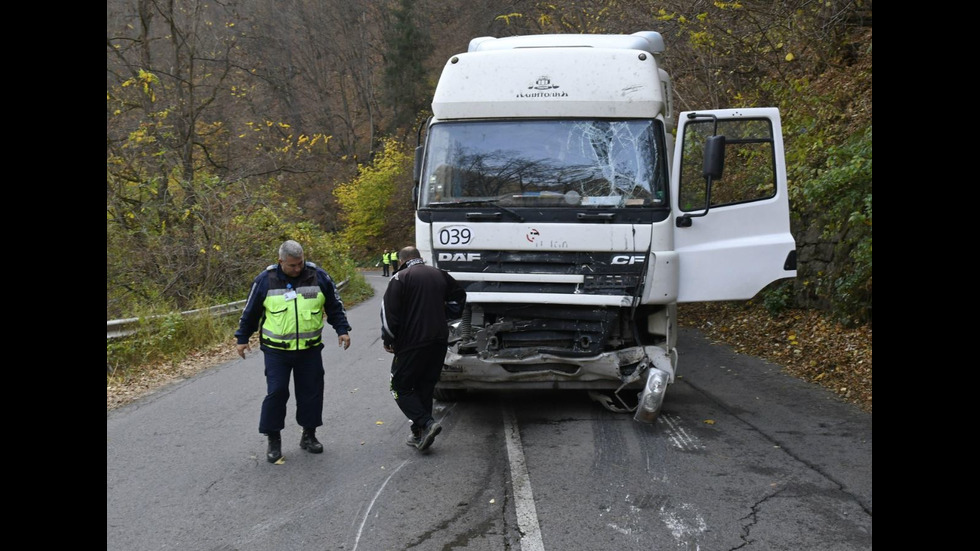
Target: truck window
{"x": 546, "y": 163}
{"x": 749, "y": 173}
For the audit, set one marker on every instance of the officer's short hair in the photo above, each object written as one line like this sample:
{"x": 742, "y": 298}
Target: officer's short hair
{"x": 290, "y": 249}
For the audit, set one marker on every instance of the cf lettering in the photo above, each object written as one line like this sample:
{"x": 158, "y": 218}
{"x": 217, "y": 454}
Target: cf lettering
{"x": 627, "y": 259}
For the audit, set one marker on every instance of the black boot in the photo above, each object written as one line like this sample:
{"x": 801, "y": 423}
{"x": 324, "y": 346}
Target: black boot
{"x": 274, "y": 453}
{"x": 309, "y": 442}
{"x": 428, "y": 435}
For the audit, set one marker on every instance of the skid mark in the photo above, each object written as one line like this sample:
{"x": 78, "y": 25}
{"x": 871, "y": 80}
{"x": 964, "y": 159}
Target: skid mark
{"x": 679, "y": 437}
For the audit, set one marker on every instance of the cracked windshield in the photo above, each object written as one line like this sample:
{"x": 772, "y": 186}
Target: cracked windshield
{"x": 541, "y": 163}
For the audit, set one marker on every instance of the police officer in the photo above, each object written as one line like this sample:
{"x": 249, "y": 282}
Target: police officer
{"x": 393, "y": 261}
{"x": 385, "y": 260}
{"x": 288, "y": 301}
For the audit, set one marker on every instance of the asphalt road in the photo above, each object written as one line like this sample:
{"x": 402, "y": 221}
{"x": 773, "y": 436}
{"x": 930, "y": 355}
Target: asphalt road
{"x": 742, "y": 456}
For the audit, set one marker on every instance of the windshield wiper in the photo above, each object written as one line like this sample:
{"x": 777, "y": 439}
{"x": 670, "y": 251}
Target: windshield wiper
{"x": 475, "y": 202}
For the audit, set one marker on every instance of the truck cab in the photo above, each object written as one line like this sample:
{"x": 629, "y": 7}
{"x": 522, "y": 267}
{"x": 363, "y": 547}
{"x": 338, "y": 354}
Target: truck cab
{"x": 557, "y": 185}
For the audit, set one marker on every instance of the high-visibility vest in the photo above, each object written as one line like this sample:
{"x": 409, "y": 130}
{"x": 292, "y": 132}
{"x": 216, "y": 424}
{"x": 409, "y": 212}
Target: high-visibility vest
{"x": 296, "y": 322}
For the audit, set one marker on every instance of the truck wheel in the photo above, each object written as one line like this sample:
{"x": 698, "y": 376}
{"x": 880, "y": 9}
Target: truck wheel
{"x": 449, "y": 394}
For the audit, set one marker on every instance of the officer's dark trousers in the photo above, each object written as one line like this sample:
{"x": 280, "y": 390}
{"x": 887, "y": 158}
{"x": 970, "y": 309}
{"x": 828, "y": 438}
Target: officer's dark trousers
{"x": 306, "y": 367}
{"x": 414, "y": 375}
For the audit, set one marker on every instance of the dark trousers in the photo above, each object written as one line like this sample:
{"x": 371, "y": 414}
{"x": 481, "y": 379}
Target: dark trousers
{"x": 384, "y": 269}
{"x": 306, "y": 367}
{"x": 414, "y": 375}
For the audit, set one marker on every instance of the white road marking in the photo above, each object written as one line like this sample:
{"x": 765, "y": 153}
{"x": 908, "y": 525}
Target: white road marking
{"x": 684, "y": 531}
{"x": 371, "y": 505}
{"x": 623, "y": 531}
{"x": 527, "y": 515}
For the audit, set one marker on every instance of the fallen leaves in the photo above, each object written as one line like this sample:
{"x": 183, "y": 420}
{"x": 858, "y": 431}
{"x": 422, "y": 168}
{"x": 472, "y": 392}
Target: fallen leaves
{"x": 804, "y": 342}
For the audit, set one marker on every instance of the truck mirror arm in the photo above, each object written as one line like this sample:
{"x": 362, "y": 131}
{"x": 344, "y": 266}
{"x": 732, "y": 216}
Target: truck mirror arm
{"x": 713, "y": 166}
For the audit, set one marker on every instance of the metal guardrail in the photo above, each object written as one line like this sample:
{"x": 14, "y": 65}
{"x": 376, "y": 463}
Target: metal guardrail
{"x": 125, "y": 327}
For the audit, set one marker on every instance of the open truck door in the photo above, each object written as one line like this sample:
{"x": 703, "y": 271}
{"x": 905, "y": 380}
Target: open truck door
{"x": 730, "y": 202}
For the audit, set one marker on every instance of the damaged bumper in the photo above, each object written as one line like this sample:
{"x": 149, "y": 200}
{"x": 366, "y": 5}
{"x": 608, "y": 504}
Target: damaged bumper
{"x": 646, "y": 369}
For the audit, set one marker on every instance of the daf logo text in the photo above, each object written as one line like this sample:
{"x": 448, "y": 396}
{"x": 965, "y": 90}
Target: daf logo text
{"x": 459, "y": 257}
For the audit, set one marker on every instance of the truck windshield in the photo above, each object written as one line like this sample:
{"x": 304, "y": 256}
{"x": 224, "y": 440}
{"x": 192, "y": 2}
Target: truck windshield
{"x": 546, "y": 163}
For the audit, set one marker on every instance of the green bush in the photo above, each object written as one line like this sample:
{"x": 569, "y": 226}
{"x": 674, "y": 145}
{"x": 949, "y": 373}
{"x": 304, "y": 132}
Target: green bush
{"x": 778, "y": 297}
{"x": 166, "y": 338}
{"x": 841, "y": 193}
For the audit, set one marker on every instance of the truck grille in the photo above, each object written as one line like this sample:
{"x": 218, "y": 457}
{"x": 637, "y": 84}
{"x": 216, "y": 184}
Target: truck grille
{"x": 604, "y": 273}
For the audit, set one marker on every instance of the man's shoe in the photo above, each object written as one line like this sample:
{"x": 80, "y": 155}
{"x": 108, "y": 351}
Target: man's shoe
{"x": 429, "y": 435}
{"x": 309, "y": 442}
{"x": 274, "y": 453}
{"x": 414, "y": 440}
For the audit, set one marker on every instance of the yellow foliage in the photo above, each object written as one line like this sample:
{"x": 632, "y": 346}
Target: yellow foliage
{"x": 364, "y": 201}
{"x": 507, "y": 17}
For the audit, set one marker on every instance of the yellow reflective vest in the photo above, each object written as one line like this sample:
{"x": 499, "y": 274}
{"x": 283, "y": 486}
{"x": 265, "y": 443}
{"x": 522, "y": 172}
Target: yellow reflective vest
{"x": 293, "y": 317}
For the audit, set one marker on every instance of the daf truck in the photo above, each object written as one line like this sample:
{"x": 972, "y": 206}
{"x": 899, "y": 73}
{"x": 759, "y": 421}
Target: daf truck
{"x": 556, "y": 182}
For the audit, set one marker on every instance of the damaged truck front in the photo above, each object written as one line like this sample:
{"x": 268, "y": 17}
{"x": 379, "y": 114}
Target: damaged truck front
{"x": 551, "y": 185}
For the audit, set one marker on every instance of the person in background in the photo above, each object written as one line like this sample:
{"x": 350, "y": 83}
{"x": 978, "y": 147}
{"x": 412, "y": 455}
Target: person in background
{"x": 415, "y": 309}
{"x": 385, "y": 262}
{"x": 287, "y": 304}
{"x": 393, "y": 261}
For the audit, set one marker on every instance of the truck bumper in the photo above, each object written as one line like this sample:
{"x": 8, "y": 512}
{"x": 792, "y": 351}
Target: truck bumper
{"x": 609, "y": 370}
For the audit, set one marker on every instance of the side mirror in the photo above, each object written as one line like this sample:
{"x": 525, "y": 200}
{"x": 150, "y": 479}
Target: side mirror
{"x": 713, "y": 165}
{"x": 714, "y": 158}
{"x": 417, "y": 171}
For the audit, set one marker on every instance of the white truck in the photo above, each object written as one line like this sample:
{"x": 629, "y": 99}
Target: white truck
{"x": 551, "y": 183}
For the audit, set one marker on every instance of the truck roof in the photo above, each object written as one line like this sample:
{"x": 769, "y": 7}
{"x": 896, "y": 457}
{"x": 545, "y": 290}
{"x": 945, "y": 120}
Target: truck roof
{"x": 647, "y": 41}
{"x": 557, "y": 75}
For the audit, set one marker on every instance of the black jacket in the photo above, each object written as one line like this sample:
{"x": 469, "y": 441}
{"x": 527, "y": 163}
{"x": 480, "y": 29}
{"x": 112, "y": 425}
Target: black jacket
{"x": 417, "y": 305}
